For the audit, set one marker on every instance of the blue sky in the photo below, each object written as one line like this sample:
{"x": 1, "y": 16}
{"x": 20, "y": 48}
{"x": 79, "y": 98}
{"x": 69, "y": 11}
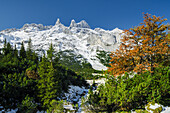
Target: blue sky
{"x": 106, "y": 14}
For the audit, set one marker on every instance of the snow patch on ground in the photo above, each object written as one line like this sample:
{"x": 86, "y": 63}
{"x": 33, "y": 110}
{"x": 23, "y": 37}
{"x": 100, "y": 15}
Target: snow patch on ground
{"x": 74, "y": 96}
{"x": 9, "y": 111}
{"x": 98, "y": 81}
{"x": 166, "y": 109}
{"x": 74, "y": 93}
{"x": 156, "y": 105}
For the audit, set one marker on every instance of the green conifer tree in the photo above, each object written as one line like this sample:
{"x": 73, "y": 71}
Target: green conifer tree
{"x": 5, "y": 46}
{"x": 52, "y": 86}
{"x": 29, "y": 50}
{"x": 50, "y": 52}
{"x": 35, "y": 57}
{"x": 15, "y": 51}
{"x": 47, "y": 84}
{"x": 8, "y": 49}
{"x": 22, "y": 51}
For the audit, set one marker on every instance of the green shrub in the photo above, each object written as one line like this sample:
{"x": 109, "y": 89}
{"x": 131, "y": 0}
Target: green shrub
{"x": 28, "y": 105}
{"x": 141, "y": 111}
{"x": 124, "y": 93}
{"x": 56, "y": 107}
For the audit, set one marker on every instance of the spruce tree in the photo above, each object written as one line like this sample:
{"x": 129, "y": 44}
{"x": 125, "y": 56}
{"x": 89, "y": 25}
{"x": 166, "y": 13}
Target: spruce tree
{"x": 8, "y": 49}
{"x": 5, "y": 46}
{"x": 29, "y": 50}
{"x": 42, "y": 82}
{"x": 47, "y": 84}
{"x": 35, "y": 57}
{"x": 15, "y": 51}
{"x": 52, "y": 86}
{"x": 22, "y": 51}
{"x": 50, "y": 52}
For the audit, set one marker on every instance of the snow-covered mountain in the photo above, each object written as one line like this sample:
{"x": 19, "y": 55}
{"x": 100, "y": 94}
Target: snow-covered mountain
{"x": 78, "y": 37}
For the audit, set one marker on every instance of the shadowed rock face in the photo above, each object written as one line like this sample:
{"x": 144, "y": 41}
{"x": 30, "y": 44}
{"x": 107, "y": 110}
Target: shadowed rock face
{"x": 77, "y": 37}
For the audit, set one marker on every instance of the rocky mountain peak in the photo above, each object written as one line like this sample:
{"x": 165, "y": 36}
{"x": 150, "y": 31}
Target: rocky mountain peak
{"x": 81, "y": 24}
{"x": 73, "y": 23}
{"x": 58, "y": 21}
{"x": 117, "y": 30}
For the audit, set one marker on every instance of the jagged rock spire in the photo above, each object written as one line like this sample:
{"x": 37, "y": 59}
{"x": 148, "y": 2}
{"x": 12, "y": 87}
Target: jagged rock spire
{"x": 81, "y": 24}
{"x": 58, "y": 21}
{"x": 73, "y": 23}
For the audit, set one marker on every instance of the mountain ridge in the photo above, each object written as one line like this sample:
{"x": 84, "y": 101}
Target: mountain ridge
{"x": 78, "y": 37}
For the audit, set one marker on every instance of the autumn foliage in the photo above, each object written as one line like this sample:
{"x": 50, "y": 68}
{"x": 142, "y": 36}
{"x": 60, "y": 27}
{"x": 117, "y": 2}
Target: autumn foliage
{"x": 31, "y": 74}
{"x": 142, "y": 47}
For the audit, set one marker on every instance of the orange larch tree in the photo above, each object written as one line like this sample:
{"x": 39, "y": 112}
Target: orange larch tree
{"x": 142, "y": 48}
